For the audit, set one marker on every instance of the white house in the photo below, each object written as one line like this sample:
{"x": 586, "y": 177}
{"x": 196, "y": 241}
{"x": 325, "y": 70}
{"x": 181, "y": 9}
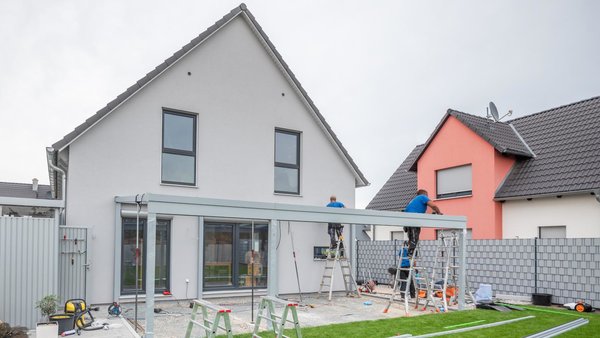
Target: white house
{"x": 224, "y": 117}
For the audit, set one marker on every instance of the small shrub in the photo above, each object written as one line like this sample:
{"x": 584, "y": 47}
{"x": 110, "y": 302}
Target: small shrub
{"x": 48, "y": 305}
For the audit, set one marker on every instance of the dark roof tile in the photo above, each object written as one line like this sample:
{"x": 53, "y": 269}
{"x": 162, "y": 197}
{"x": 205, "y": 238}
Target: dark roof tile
{"x": 400, "y": 188}
{"x": 24, "y": 190}
{"x": 567, "y": 147}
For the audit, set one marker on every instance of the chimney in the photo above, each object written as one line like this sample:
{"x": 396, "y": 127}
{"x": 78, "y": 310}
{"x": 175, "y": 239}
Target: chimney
{"x": 34, "y": 185}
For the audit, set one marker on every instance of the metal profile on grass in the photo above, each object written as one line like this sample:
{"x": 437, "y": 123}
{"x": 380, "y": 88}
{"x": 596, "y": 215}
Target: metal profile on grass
{"x": 555, "y": 331}
{"x": 485, "y": 326}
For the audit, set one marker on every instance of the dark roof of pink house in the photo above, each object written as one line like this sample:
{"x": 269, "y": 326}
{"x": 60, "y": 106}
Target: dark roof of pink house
{"x": 559, "y": 154}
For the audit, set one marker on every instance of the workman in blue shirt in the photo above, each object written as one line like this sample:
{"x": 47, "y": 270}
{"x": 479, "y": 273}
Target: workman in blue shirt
{"x": 335, "y": 229}
{"x": 418, "y": 205}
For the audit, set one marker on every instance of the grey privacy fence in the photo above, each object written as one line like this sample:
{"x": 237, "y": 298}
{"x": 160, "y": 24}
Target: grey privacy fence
{"x": 28, "y": 267}
{"x": 566, "y": 268}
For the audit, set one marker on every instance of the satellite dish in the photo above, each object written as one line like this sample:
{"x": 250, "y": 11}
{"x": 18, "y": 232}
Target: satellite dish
{"x": 494, "y": 112}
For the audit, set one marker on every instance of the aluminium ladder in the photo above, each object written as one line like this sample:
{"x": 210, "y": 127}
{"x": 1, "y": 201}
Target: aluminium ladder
{"x": 443, "y": 292}
{"x": 329, "y": 271}
{"x": 401, "y": 285}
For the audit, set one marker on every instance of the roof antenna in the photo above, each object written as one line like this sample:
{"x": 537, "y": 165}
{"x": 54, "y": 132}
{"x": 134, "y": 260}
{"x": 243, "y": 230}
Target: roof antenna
{"x": 492, "y": 112}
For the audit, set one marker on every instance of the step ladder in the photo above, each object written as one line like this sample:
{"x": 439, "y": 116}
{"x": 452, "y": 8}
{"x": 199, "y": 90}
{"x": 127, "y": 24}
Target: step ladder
{"x": 266, "y": 311}
{"x": 338, "y": 257}
{"x": 401, "y": 287}
{"x": 444, "y": 292}
{"x": 210, "y": 327}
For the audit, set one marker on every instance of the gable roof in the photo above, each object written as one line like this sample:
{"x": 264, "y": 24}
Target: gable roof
{"x": 24, "y": 190}
{"x": 567, "y": 156}
{"x": 500, "y": 135}
{"x": 400, "y": 188}
{"x": 566, "y": 141}
{"x": 242, "y": 9}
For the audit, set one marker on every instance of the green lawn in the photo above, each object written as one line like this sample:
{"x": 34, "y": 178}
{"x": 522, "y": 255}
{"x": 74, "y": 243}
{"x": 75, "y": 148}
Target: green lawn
{"x": 436, "y": 322}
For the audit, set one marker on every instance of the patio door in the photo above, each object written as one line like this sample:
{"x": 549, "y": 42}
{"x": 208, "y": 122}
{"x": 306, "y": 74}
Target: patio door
{"x": 232, "y": 259}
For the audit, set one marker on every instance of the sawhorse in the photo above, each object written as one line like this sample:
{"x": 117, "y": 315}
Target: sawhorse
{"x": 210, "y": 326}
{"x": 277, "y": 322}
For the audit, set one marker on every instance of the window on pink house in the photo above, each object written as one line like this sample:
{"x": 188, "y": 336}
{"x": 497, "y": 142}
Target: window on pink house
{"x": 454, "y": 182}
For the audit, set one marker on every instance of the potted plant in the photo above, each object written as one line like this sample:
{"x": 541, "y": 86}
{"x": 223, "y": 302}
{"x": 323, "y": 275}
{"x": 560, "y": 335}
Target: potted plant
{"x": 47, "y": 305}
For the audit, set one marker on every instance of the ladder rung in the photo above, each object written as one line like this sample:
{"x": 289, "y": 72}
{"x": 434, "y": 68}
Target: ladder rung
{"x": 275, "y": 321}
{"x": 206, "y": 327}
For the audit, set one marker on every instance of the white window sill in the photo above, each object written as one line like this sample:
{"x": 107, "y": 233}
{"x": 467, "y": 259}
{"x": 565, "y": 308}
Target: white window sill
{"x": 452, "y": 198}
{"x": 179, "y": 185}
{"x": 142, "y": 295}
{"x": 286, "y": 194}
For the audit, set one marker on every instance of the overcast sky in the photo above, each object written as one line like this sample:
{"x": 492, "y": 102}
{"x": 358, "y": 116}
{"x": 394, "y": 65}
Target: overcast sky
{"x": 383, "y": 73}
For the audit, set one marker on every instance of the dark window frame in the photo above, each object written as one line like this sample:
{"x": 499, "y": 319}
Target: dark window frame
{"x": 174, "y": 151}
{"x": 144, "y": 232}
{"x": 287, "y": 165}
{"x": 235, "y": 275}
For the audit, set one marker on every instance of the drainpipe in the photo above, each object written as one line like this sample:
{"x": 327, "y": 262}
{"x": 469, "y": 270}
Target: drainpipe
{"x": 51, "y": 150}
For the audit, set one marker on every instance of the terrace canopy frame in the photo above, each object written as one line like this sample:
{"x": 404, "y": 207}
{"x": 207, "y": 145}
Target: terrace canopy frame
{"x": 273, "y": 213}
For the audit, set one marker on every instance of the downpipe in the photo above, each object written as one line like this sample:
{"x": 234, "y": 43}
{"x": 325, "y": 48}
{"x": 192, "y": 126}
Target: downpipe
{"x": 51, "y": 150}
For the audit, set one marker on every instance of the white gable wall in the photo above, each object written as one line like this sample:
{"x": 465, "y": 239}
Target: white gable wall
{"x": 579, "y": 213}
{"x": 236, "y": 90}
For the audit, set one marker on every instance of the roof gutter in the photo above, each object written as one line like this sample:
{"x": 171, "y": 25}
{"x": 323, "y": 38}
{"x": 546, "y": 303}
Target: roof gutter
{"x": 50, "y": 152}
{"x": 595, "y": 192}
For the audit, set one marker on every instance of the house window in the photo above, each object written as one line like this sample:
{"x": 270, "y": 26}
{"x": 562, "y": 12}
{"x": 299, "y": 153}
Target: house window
{"x": 233, "y": 257}
{"x": 439, "y": 232}
{"x": 163, "y": 248}
{"x": 397, "y": 235}
{"x": 179, "y": 148}
{"x": 454, "y": 182}
{"x": 556, "y": 231}
{"x": 287, "y": 162}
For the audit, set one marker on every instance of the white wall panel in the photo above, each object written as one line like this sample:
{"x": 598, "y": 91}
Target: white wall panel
{"x": 579, "y": 213}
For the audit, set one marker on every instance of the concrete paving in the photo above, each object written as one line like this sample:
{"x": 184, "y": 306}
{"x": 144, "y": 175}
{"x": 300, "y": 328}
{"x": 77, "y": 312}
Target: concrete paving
{"x": 117, "y": 326}
{"x": 314, "y": 311}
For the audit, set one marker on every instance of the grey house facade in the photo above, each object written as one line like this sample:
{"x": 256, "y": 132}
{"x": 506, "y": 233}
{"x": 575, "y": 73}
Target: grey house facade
{"x": 223, "y": 118}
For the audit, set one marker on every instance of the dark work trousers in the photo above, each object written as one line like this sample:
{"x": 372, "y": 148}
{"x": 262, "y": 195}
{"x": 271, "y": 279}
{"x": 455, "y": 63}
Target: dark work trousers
{"x": 413, "y": 238}
{"x": 404, "y": 275}
{"x": 335, "y": 232}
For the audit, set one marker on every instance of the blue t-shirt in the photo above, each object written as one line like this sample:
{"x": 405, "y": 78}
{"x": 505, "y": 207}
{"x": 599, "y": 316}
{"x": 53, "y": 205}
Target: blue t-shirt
{"x": 335, "y": 205}
{"x": 418, "y": 204}
{"x": 403, "y": 253}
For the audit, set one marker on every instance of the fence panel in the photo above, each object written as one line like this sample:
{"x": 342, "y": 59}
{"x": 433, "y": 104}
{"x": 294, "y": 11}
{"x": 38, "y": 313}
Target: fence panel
{"x": 567, "y": 268}
{"x": 72, "y": 262}
{"x": 28, "y": 257}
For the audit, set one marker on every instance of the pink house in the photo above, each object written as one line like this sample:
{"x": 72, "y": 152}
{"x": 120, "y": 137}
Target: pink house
{"x": 508, "y": 178}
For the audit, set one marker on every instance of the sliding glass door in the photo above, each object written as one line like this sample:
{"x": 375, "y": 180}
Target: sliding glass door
{"x": 232, "y": 259}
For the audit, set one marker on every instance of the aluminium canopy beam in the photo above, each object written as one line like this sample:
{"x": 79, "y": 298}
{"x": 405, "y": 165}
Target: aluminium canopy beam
{"x": 208, "y": 207}
{"x": 275, "y": 212}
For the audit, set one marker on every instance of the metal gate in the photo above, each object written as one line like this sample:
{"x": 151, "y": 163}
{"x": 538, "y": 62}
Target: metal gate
{"x": 72, "y": 262}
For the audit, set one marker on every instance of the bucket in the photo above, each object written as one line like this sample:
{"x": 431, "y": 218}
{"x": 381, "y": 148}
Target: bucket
{"x": 64, "y": 320}
{"x": 544, "y": 299}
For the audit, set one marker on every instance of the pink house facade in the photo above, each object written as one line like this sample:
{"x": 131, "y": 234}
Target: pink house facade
{"x": 517, "y": 179}
{"x": 456, "y": 145}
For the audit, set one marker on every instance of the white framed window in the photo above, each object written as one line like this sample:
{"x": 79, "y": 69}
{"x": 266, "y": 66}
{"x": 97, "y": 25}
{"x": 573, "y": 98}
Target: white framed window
{"x": 397, "y": 235}
{"x": 454, "y": 182}
{"x": 438, "y": 233}
{"x": 553, "y": 231}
